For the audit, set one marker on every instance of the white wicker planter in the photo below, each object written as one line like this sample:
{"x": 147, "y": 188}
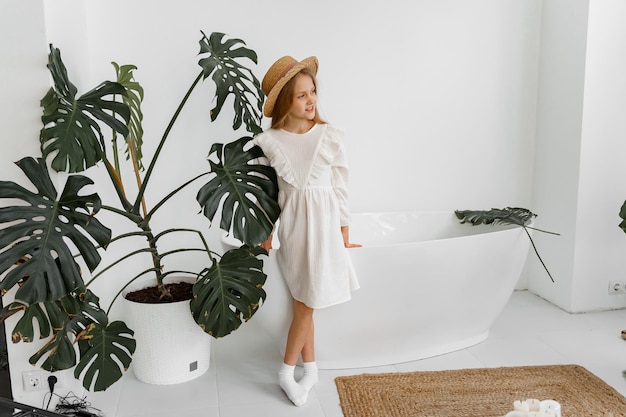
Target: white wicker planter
{"x": 171, "y": 347}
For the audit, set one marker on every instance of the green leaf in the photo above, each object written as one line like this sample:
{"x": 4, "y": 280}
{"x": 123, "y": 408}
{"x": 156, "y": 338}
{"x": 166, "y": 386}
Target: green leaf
{"x": 71, "y": 125}
{"x": 509, "y": 215}
{"x": 103, "y": 349}
{"x": 246, "y": 191}
{"x": 622, "y": 215}
{"x": 83, "y": 309}
{"x": 102, "y": 346}
{"x": 24, "y": 329}
{"x": 229, "y": 292}
{"x": 59, "y": 352}
{"x": 35, "y": 249}
{"x": 133, "y": 99}
{"x": 232, "y": 78}
{"x": 7, "y": 311}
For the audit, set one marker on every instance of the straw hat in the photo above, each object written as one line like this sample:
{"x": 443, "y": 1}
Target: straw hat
{"x": 279, "y": 74}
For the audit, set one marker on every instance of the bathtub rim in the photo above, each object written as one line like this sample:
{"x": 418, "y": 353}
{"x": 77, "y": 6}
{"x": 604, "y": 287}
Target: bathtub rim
{"x": 480, "y": 228}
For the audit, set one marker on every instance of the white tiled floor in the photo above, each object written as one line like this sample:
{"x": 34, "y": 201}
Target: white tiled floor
{"x": 242, "y": 379}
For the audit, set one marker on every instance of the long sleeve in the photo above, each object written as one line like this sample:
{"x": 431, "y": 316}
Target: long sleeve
{"x": 339, "y": 170}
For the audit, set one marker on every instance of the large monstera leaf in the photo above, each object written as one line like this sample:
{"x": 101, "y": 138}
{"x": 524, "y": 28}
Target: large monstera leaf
{"x": 65, "y": 317}
{"x": 246, "y": 191}
{"x": 508, "y": 215}
{"x": 229, "y": 292}
{"x": 622, "y": 215}
{"x": 71, "y": 124}
{"x": 105, "y": 349}
{"x": 232, "y": 78}
{"x": 35, "y": 240}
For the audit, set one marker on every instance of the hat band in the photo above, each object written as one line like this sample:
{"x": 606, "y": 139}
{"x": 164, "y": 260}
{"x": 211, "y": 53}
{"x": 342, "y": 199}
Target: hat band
{"x": 289, "y": 68}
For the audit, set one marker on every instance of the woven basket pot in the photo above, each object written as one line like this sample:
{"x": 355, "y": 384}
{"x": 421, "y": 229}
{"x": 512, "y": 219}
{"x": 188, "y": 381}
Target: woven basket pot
{"x": 171, "y": 347}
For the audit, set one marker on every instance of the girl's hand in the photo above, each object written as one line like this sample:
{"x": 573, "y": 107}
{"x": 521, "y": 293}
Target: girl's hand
{"x": 345, "y": 232}
{"x": 267, "y": 245}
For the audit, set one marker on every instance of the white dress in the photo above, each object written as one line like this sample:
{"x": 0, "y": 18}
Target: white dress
{"x": 312, "y": 194}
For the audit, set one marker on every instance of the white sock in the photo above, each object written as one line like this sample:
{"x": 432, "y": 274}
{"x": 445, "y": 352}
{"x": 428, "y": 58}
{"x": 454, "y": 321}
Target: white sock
{"x": 296, "y": 393}
{"x": 310, "y": 375}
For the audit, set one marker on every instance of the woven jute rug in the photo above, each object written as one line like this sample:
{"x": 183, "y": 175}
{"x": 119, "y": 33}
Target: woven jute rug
{"x": 484, "y": 392}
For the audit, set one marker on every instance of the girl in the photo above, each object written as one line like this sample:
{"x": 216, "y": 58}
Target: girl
{"x": 308, "y": 156}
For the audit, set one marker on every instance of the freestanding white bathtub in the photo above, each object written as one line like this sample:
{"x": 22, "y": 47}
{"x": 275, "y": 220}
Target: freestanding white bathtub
{"x": 429, "y": 286}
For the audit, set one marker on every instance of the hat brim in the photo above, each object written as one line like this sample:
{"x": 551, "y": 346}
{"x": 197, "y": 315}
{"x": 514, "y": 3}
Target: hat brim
{"x": 310, "y": 63}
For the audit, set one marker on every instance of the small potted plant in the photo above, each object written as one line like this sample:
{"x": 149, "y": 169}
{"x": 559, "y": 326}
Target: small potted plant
{"x": 51, "y": 241}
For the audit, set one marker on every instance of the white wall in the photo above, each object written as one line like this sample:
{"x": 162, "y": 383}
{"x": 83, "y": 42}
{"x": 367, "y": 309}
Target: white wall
{"x": 438, "y": 98}
{"x": 557, "y": 152}
{"x": 579, "y": 172}
{"x": 23, "y": 81}
{"x": 600, "y": 244}
{"x": 23, "y": 78}
{"x": 434, "y": 96}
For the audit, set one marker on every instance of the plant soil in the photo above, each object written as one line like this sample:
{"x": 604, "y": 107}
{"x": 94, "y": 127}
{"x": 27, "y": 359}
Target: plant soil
{"x": 181, "y": 291}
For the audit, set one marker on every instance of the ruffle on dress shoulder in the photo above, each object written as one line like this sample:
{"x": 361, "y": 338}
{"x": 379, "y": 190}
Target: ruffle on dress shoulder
{"x": 276, "y": 157}
{"x": 330, "y": 146}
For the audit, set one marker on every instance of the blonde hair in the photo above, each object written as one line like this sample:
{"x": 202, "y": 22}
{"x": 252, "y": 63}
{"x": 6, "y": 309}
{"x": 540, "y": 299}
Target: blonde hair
{"x": 285, "y": 100}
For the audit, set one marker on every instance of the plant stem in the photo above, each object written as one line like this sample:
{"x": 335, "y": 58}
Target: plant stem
{"x": 156, "y": 260}
{"x": 200, "y": 235}
{"x": 128, "y": 255}
{"x": 133, "y": 156}
{"x": 170, "y": 195}
{"x": 135, "y": 218}
{"x": 115, "y": 152}
{"x": 117, "y": 184}
{"x": 132, "y": 211}
{"x": 126, "y": 286}
{"x": 537, "y": 253}
{"x": 543, "y": 231}
{"x": 142, "y": 190}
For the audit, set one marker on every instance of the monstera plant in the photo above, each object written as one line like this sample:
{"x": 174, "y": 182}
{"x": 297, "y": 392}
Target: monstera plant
{"x": 52, "y": 241}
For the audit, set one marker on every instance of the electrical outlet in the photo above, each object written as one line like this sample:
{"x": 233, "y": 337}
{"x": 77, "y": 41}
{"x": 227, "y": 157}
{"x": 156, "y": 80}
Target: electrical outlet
{"x": 38, "y": 380}
{"x": 617, "y": 287}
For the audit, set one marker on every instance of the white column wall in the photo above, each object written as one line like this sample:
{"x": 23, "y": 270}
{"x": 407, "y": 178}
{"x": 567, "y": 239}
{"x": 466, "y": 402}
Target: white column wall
{"x": 600, "y": 253}
{"x": 579, "y": 169}
{"x": 557, "y": 146}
